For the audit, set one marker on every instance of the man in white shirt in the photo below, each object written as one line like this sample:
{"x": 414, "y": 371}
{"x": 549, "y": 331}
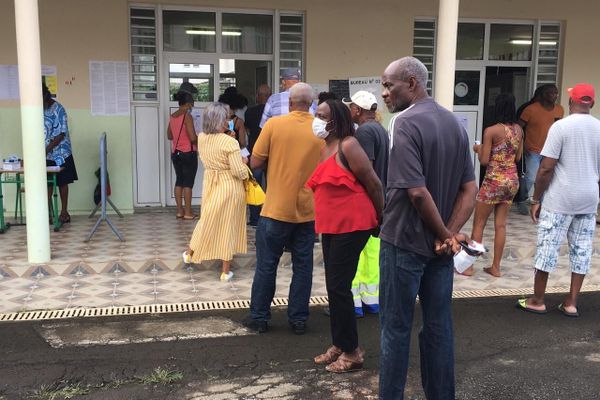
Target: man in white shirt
{"x": 566, "y": 185}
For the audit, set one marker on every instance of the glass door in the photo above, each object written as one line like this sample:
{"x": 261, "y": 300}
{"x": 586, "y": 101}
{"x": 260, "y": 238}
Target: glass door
{"x": 202, "y": 73}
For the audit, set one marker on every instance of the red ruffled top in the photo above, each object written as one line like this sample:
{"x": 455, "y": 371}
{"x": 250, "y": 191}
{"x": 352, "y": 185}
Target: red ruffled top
{"x": 342, "y": 204}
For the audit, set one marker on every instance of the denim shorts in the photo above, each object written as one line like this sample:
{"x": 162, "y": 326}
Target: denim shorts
{"x": 552, "y": 230}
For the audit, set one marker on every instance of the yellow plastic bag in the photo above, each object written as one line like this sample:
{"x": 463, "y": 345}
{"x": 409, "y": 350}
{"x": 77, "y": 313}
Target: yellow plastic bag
{"x": 255, "y": 196}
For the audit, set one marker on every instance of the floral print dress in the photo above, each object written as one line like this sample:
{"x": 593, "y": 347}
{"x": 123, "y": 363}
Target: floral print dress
{"x": 501, "y": 181}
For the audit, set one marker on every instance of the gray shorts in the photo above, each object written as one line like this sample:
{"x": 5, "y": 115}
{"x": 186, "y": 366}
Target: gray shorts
{"x": 552, "y": 230}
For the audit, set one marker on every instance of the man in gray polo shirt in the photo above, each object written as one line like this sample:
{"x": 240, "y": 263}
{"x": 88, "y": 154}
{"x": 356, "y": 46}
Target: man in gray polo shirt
{"x": 567, "y": 187}
{"x": 430, "y": 195}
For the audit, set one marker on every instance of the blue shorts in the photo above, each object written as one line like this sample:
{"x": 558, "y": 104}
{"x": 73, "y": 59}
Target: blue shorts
{"x": 552, "y": 230}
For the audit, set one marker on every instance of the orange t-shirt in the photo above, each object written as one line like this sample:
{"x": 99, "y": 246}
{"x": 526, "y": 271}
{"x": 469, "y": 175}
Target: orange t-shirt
{"x": 292, "y": 152}
{"x": 539, "y": 120}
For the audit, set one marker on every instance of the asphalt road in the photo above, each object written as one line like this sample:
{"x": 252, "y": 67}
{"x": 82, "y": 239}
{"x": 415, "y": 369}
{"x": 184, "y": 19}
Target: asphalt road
{"x": 502, "y": 353}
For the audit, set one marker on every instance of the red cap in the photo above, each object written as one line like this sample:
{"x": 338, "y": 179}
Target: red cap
{"x": 581, "y": 90}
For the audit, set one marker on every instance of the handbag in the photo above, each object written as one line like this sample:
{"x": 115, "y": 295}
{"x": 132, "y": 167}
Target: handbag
{"x": 176, "y": 154}
{"x": 255, "y": 196}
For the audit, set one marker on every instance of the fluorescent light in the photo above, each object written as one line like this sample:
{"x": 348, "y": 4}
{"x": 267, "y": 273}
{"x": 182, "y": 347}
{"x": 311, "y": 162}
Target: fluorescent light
{"x": 528, "y": 42}
{"x": 519, "y": 41}
{"x": 200, "y": 32}
{"x": 211, "y": 33}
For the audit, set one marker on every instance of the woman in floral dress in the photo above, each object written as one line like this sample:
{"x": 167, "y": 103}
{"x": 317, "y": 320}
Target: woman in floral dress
{"x": 502, "y": 147}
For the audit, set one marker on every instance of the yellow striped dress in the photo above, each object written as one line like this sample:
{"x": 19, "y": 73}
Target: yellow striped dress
{"x": 221, "y": 231}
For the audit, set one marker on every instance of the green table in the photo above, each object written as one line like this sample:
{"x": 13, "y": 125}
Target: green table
{"x": 17, "y": 178}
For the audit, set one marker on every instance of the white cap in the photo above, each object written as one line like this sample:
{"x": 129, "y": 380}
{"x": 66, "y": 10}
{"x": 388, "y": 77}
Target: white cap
{"x": 363, "y": 99}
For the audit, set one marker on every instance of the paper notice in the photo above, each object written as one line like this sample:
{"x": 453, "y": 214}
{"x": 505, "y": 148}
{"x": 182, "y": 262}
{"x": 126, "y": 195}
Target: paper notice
{"x": 109, "y": 87}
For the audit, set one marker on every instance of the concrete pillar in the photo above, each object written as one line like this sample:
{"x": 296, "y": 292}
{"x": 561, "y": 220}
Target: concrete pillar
{"x": 445, "y": 60}
{"x": 32, "y": 127}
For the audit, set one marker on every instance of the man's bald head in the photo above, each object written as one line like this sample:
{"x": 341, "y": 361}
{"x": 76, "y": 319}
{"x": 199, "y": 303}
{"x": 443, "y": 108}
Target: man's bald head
{"x": 301, "y": 97}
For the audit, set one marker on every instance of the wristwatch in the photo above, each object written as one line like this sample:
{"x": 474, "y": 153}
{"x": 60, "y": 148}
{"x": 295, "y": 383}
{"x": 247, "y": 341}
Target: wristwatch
{"x": 533, "y": 202}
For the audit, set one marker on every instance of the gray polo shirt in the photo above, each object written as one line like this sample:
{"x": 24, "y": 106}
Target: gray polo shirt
{"x": 428, "y": 148}
{"x": 575, "y": 142}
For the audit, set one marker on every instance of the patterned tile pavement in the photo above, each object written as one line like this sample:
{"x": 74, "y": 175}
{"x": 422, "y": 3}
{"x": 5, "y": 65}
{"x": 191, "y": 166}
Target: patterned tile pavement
{"x": 147, "y": 269}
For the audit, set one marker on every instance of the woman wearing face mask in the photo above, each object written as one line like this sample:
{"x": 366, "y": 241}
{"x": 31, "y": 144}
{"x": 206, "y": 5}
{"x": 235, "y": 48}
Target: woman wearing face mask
{"x": 348, "y": 207}
{"x": 183, "y": 153}
{"x": 221, "y": 231}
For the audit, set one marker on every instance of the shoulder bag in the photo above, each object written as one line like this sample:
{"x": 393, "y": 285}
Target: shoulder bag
{"x": 255, "y": 196}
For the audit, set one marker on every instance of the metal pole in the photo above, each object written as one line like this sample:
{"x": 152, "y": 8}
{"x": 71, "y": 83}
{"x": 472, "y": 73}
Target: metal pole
{"x": 445, "y": 59}
{"x": 32, "y": 126}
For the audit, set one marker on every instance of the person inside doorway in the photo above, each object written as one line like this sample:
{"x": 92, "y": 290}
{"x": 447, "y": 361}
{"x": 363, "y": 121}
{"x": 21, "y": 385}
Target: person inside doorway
{"x": 279, "y": 103}
{"x": 501, "y": 150}
{"x": 182, "y": 134}
{"x": 536, "y": 120}
{"x": 236, "y": 128}
{"x": 58, "y": 150}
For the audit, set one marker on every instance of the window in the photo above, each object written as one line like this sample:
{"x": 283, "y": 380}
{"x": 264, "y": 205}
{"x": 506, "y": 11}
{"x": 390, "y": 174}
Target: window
{"x": 199, "y": 75}
{"x": 291, "y": 41}
{"x": 424, "y": 47}
{"x": 189, "y": 31}
{"x": 247, "y": 33}
{"x": 548, "y": 53}
{"x": 469, "y": 44}
{"x": 511, "y": 42}
{"x": 143, "y": 54}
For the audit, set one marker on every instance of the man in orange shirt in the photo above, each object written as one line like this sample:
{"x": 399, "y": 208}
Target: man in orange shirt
{"x": 536, "y": 121}
{"x": 292, "y": 151}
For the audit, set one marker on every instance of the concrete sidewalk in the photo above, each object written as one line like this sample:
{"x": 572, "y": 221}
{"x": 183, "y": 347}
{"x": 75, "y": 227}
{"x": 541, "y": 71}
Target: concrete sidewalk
{"x": 147, "y": 268}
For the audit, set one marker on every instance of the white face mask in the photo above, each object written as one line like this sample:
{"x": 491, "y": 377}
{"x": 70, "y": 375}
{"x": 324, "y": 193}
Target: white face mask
{"x": 320, "y": 128}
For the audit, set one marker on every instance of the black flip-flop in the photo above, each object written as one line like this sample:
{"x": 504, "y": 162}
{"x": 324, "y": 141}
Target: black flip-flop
{"x": 561, "y": 308}
{"x": 522, "y": 305}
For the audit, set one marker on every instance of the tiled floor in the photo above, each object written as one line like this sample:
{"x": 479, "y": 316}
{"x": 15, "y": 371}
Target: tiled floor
{"x": 146, "y": 268}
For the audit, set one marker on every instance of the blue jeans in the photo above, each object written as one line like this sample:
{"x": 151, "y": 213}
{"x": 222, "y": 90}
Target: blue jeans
{"x": 255, "y": 210}
{"x": 403, "y": 276}
{"x": 271, "y": 237}
{"x": 532, "y": 164}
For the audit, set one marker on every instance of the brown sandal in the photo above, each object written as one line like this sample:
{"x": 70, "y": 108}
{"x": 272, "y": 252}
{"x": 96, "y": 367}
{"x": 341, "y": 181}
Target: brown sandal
{"x": 346, "y": 363}
{"x": 329, "y": 356}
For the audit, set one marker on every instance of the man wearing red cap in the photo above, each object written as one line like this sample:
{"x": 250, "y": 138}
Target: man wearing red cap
{"x": 565, "y": 199}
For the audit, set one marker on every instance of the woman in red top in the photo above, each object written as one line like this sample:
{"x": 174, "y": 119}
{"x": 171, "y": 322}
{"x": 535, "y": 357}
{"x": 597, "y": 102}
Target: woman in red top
{"x": 183, "y": 153}
{"x": 348, "y": 207}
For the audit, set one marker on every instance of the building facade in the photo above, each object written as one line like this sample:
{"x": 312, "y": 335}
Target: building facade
{"x": 502, "y": 45}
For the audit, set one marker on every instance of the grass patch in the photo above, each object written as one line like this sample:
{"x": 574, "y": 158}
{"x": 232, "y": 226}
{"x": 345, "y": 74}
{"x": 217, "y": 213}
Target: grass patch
{"x": 161, "y": 376}
{"x": 66, "y": 392}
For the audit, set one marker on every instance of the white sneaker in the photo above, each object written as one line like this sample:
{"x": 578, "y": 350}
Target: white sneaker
{"x": 226, "y": 277}
{"x": 187, "y": 258}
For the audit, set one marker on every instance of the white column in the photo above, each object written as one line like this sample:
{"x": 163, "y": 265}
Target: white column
{"x": 32, "y": 127}
{"x": 445, "y": 60}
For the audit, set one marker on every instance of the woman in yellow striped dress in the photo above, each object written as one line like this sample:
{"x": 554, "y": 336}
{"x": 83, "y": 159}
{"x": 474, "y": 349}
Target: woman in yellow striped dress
{"x": 221, "y": 231}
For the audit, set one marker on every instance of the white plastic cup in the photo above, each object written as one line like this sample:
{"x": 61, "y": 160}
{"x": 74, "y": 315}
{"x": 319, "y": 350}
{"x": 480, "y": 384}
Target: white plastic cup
{"x": 462, "y": 261}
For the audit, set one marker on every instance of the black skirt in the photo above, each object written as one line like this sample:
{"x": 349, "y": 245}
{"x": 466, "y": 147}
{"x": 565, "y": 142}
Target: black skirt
{"x": 68, "y": 174}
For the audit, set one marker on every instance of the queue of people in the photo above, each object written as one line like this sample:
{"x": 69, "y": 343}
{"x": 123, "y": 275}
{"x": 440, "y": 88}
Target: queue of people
{"x": 389, "y": 207}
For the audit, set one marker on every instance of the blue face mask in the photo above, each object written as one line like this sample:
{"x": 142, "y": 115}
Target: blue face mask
{"x": 231, "y": 125}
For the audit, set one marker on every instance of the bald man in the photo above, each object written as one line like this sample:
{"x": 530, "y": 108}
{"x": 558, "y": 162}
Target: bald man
{"x": 288, "y": 145}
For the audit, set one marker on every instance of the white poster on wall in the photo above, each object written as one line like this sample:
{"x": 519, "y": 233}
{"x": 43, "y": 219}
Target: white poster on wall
{"x": 370, "y": 84}
{"x": 9, "y": 80}
{"x": 109, "y": 87}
